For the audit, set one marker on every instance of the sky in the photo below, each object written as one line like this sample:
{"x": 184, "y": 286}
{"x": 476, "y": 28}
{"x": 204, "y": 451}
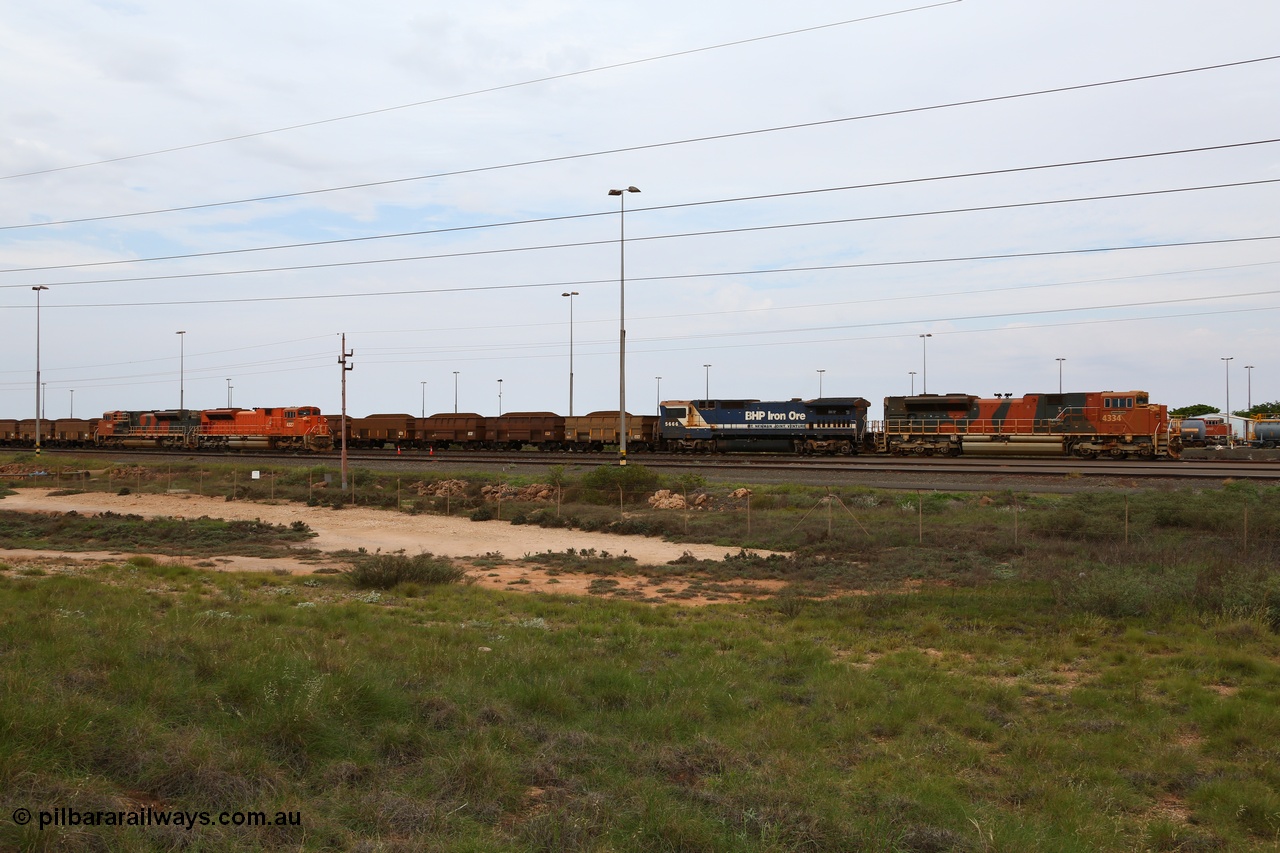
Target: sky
{"x": 1084, "y": 193}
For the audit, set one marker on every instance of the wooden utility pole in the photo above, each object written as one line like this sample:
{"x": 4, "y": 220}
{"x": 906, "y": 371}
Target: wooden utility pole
{"x": 342, "y": 360}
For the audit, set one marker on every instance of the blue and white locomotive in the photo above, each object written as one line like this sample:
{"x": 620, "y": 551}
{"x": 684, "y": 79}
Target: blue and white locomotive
{"x": 831, "y": 425}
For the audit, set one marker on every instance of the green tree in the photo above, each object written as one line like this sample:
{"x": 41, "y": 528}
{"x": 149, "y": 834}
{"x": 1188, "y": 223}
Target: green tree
{"x": 1193, "y": 411}
{"x": 1271, "y": 408}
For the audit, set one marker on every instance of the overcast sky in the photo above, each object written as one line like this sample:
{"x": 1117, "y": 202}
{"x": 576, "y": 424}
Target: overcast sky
{"x": 429, "y": 178}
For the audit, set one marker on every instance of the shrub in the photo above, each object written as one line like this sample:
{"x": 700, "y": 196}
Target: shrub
{"x": 635, "y": 481}
{"x": 384, "y": 571}
{"x": 482, "y": 513}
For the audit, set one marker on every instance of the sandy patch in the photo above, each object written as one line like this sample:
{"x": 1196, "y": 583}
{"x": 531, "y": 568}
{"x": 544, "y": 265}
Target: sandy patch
{"x": 374, "y": 530}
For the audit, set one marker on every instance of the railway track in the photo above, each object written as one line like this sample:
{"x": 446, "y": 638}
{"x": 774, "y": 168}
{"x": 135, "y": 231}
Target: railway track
{"x": 1265, "y": 467}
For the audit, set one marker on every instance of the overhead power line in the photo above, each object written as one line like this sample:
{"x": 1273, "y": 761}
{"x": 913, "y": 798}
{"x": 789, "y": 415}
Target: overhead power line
{"x": 486, "y": 91}
{"x": 762, "y": 197}
{"x": 806, "y": 338}
{"x": 645, "y": 147}
{"x": 491, "y": 287}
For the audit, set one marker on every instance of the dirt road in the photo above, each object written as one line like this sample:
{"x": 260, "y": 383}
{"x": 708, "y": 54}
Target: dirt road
{"x": 373, "y": 530}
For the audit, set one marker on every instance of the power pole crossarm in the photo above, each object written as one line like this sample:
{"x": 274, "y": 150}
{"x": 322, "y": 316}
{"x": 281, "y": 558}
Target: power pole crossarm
{"x": 343, "y": 355}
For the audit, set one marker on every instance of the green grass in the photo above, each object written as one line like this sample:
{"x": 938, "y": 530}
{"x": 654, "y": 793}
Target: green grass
{"x": 72, "y": 531}
{"x": 990, "y": 717}
{"x": 1002, "y": 672}
{"x": 387, "y": 571}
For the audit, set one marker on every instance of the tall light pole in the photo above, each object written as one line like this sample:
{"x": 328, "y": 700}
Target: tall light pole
{"x": 37, "y": 289}
{"x": 707, "y": 389}
{"x": 570, "y": 294}
{"x": 72, "y": 413}
{"x": 913, "y": 382}
{"x": 182, "y": 370}
{"x": 44, "y": 400}
{"x": 455, "y": 392}
{"x": 657, "y": 395}
{"x": 423, "y": 383}
{"x": 924, "y": 362}
{"x": 1226, "y": 364}
{"x": 821, "y": 371}
{"x": 1059, "y": 360}
{"x": 622, "y": 321}
{"x": 499, "y": 398}
{"x": 228, "y": 392}
{"x": 1248, "y": 426}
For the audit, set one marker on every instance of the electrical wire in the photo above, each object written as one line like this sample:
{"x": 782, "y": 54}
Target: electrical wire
{"x": 664, "y": 207}
{"x": 651, "y": 146}
{"x": 490, "y": 287}
{"x": 758, "y": 335}
{"x": 486, "y": 91}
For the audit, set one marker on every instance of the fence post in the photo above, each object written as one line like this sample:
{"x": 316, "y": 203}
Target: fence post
{"x": 1126, "y": 521}
{"x": 1015, "y": 521}
{"x": 920, "y": 510}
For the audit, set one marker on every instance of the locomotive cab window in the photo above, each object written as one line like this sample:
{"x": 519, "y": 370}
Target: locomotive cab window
{"x": 679, "y": 412}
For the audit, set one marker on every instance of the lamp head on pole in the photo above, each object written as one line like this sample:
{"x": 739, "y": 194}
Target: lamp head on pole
{"x": 627, "y": 190}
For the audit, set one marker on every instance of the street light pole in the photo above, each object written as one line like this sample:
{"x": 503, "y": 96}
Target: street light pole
{"x": 622, "y": 321}
{"x": 657, "y": 395}
{"x": 570, "y": 294}
{"x": 455, "y": 392}
{"x": 182, "y": 353}
{"x": 1059, "y": 360}
{"x": 707, "y": 390}
{"x": 499, "y": 398}
{"x": 71, "y": 414}
{"x": 924, "y": 367}
{"x": 228, "y": 392}
{"x": 423, "y": 383}
{"x": 820, "y": 372}
{"x": 1226, "y": 364}
{"x": 913, "y": 382}
{"x": 37, "y": 289}
{"x": 1248, "y": 426}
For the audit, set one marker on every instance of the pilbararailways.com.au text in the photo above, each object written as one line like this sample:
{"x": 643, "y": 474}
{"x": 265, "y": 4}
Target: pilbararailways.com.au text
{"x": 60, "y": 817}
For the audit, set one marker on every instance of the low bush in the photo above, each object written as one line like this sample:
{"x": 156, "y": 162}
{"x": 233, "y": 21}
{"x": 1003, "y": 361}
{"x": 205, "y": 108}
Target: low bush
{"x": 384, "y": 571}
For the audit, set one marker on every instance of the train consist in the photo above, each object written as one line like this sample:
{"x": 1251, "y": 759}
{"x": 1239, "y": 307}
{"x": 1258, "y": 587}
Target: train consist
{"x": 1108, "y": 424}
{"x": 1117, "y": 425}
{"x": 289, "y": 428}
